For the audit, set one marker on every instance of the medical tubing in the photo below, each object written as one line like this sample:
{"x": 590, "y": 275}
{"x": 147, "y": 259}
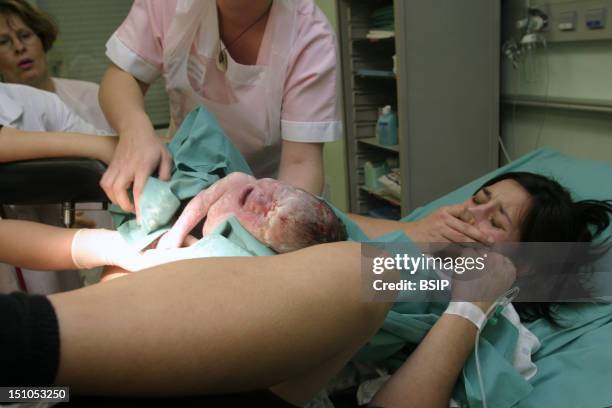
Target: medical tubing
{"x": 503, "y": 301}
{"x": 503, "y": 148}
{"x": 546, "y": 96}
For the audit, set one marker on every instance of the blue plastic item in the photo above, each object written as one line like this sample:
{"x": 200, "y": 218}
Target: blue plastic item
{"x": 386, "y": 127}
{"x": 372, "y": 172}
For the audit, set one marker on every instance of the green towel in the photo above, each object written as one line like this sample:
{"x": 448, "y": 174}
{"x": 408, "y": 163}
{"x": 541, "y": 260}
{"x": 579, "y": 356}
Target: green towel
{"x": 228, "y": 239}
{"x": 202, "y": 155}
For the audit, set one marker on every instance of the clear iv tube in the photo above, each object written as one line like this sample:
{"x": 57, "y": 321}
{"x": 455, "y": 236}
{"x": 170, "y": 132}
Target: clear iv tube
{"x": 503, "y": 301}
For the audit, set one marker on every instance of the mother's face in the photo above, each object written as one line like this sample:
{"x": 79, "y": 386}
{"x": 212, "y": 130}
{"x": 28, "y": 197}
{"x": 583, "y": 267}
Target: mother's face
{"x": 22, "y": 57}
{"x": 498, "y": 210}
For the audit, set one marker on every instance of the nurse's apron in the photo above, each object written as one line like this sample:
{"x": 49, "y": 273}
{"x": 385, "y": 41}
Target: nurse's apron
{"x": 193, "y": 78}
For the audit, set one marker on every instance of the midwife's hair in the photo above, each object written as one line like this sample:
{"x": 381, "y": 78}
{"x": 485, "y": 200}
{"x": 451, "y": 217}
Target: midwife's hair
{"x": 552, "y": 216}
{"x": 38, "y": 21}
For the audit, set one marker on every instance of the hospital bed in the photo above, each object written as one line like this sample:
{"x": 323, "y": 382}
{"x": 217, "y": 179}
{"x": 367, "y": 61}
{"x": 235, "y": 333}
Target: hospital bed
{"x": 573, "y": 363}
{"x": 65, "y": 181}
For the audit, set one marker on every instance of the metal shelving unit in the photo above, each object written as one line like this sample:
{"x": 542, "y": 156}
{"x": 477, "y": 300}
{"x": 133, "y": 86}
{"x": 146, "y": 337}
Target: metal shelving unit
{"x": 369, "y": 83}
{"x": 445, "y": 92}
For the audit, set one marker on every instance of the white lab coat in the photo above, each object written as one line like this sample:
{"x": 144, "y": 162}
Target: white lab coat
{"x": 82, "y": 98}
{"x": 26, "y": 108}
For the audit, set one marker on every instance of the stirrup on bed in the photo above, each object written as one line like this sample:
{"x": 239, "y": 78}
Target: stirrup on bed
{"x": 66, "y": 181}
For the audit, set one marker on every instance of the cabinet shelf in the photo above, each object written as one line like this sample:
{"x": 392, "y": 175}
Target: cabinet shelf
{"x": 386, "y": 40}
{"x": 376, "y": 73}
{"x": 381, "y": 195}
{"x": 372, "y": 141}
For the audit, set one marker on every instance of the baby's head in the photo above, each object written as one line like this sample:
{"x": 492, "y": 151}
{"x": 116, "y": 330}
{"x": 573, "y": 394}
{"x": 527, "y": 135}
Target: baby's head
{"x": 287, "y": 218}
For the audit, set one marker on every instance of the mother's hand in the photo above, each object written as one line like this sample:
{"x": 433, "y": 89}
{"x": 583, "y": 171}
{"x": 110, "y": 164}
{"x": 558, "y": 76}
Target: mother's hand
{"x": 484, "y": 286}
{"x": 446, "y": 225}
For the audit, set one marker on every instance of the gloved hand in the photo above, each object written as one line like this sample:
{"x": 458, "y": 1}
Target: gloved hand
{"x": 98, "y": 247}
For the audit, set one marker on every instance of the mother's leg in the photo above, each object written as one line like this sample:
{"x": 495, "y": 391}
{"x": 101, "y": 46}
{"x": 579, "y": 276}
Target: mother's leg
{"x": 214, "y": 325}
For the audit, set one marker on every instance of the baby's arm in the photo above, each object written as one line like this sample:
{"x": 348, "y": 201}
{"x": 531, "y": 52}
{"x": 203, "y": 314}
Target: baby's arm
{"x": 198, "y": 208}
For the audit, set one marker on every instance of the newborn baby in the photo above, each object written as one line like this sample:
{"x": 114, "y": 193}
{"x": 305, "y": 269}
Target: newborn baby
{"x": 281, "y": 216}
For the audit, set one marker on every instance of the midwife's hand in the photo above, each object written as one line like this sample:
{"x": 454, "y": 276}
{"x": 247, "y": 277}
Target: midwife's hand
{"x": 135, "y": 158}
{"x": 446, "y": 225}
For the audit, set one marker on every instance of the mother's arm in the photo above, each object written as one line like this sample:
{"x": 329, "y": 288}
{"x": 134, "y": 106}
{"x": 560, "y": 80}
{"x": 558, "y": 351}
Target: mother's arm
{"x": 443, "y": 225}
{"x": 427, "y": 378}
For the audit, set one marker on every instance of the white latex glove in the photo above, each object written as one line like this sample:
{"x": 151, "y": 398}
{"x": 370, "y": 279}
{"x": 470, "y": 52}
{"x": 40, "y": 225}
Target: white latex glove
{"x": 99, "y": 247}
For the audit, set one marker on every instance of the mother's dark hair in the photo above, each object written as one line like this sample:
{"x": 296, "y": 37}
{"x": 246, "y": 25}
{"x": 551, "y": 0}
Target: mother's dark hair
{"x": 552, "y": 216}
{"x": 38, "y": 21}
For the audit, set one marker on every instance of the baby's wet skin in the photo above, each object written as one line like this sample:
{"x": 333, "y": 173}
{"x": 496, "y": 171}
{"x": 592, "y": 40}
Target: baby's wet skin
{"x": 266, "y": 208}
{"x": 281, "y": 216}
{"x": 254, "y": 203}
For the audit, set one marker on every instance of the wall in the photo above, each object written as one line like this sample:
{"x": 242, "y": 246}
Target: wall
{"x": 79, "y": 52}
{"x": 577, "y": 70}
{"x": 335, "y": 153}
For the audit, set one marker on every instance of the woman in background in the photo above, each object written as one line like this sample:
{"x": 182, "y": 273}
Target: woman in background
{"x": 26, "y": 35}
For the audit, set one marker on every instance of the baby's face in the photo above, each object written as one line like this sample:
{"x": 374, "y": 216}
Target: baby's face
{"x": 264, "y": 208}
